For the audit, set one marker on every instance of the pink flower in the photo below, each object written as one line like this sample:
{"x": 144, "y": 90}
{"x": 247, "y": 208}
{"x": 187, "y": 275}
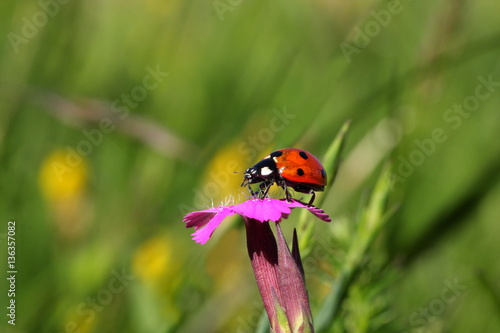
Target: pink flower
{"x": 263, "y": 210}
{"x": 278, "y": 272}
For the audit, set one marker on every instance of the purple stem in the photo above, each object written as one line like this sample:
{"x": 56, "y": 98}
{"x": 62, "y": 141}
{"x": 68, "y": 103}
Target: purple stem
{"x": 263, "y": 254}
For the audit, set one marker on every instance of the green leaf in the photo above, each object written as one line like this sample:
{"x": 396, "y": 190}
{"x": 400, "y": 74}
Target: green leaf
{"x": 331, "y": 162}
{"x": 372, "y": 218}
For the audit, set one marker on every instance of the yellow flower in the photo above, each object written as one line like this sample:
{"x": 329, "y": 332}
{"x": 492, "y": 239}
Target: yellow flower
{"x": 153, "y": 261}
{"x": 62, "y": 180}
{"x": 77, "y": 322}
{"x": 62, "y": 176}
{"x": 223, "y": 175}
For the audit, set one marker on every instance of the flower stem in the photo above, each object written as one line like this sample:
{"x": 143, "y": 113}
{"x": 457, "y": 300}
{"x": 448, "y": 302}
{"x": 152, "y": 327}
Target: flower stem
{"x": 263, "y": 253}
{"x": 280, "y": 278}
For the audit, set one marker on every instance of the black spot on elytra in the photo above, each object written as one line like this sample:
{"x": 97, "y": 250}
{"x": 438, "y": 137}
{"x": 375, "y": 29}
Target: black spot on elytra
{"x": 300, "y": 172}
{"x": 303, "y": 155}
{"x": 276, "y": 153}
{"x": 323, "y": 173}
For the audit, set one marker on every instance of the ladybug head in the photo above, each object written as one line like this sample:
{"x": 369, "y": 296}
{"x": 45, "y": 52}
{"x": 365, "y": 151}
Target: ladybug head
{"x": 263, "y": 170}
{"x": 249, "y": 175}
{"x": 250, "y": 172}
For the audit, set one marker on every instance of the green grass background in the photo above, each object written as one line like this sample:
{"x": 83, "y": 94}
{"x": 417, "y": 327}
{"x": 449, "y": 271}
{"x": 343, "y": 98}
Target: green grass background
{"x": 232, "y": 67}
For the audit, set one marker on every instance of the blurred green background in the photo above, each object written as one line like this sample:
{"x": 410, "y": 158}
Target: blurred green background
{"x": 117, "y": 118}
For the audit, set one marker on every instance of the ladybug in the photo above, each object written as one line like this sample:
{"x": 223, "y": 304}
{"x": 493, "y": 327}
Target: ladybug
{"x": 289, "y": 168}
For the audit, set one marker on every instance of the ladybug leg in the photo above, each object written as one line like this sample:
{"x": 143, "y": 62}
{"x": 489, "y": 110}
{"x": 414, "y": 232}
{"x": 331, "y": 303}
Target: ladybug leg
{"x": 264, "y": 188}
{"x": 252, "y": 193}
{"x": 288, "y": 196}
{"x": 312, "y": 198}
{"x": 258, "y": 193}
{"x": 261, "y": 193}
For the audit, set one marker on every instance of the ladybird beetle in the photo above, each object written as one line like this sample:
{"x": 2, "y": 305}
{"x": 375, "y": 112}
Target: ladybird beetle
{"x": 289, "y": 168}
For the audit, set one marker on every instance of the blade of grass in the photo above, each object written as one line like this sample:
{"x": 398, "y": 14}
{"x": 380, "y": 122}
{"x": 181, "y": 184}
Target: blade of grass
{"x": 373, "y": 217}
{"x": 331, "y": 162}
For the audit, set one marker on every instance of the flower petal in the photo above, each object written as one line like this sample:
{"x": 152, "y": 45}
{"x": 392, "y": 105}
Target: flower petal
{"x": 292, "y": 287}
{"x": 203, "y": 235}
{"x": 200, "y": 218}
{"x": 263, "y": 210}
{"x": 318, "y": 212}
